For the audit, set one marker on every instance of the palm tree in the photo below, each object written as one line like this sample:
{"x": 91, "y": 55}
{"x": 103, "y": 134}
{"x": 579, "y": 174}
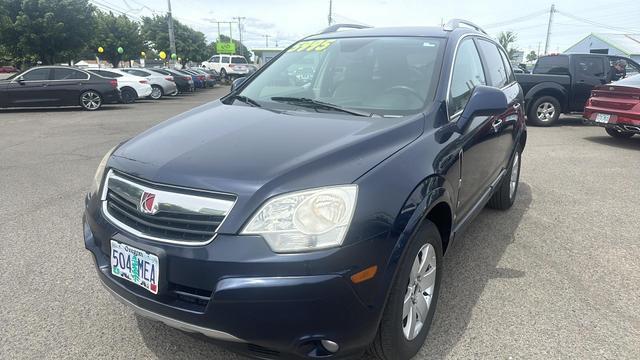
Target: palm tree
{"x": 506, "y": 38}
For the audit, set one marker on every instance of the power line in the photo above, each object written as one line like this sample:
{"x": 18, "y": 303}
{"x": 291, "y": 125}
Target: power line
{"x": 515, "y": 20}
{"x": 578, "y": 18}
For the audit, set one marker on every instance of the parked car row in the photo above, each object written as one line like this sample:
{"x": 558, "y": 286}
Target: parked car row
{"x": 47, "y": 86}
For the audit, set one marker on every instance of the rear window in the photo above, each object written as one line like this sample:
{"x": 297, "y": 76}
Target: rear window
{"x": 554, "y": 65}
{"x": 238, "y": 60}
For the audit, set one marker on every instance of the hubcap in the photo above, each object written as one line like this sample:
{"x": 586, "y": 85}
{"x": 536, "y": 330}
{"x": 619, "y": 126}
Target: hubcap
{"x": 545, "y": 111}
{"x": 155, "y": 93}
{"x": 90, "y": 100}
{"x": 417, "y": 299}
{"x": 515, "y": 169}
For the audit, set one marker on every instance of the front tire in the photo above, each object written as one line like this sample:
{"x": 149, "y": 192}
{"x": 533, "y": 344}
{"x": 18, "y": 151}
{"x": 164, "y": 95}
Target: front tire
{"x": 618, "y": 134}
{"x": 545, "y": 111}
{"x": 90, "y": 100}
{"x": 505, "y": 195}
{"x": 412, "y": 301}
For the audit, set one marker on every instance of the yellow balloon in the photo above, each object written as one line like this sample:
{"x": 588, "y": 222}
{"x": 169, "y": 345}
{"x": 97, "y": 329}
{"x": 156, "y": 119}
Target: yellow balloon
{"x": 100, "y": 50}
{"x": 143, "y": 53}
{"x": 163, "y": 55}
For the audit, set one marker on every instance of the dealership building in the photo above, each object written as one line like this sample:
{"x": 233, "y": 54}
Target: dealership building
{"x": 613, "y": 44}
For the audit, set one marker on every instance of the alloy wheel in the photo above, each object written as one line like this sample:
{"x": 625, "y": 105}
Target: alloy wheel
{"x": 156, "y": 93}
{"x": 545, "y": 111}
{"x": 515, "y": 172}
{"x": 419, "y": 293}
{"x": 90, "y": 100}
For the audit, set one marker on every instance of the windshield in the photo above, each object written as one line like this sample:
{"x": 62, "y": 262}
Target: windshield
{"x": 381, "y": 75}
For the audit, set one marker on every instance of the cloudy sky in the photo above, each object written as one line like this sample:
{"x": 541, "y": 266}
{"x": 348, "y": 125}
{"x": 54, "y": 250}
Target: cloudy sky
{"x": 288, "y": 20}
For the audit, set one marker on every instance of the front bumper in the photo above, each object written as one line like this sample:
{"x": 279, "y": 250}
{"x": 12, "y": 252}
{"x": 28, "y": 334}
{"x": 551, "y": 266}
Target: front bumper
{"x": 246, "y": 294}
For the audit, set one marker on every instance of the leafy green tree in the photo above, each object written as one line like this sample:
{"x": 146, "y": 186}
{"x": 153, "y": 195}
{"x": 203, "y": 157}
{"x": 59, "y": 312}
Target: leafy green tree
{"x": 532, "y": 56}
{"x": 506, "y": 39}
{"x": 112, "y": 32}
{"x": 240, "y": 48}
{"x": 47, "y": 31}
{"x": 190, "y": 44}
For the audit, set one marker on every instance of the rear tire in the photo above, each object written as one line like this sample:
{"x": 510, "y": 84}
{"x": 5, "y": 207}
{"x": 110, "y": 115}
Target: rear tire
{"x": 545, "y": 111}
{"x": 90, "y": 100}
{"x": 394, "y": 339}
{"x": 618, "y": 134}
{"x": 128, "y": 95}
{"x": 505, "y": 195}
{"x": 156, "y": 92}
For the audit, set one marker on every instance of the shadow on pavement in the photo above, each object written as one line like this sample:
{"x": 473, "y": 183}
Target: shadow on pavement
{"x": 631, "y": 144}
{"x": 105, "y": 107}
{"x": 470, "y": 264}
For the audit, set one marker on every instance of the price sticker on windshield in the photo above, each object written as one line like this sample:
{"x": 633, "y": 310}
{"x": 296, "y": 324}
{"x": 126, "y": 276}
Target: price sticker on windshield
{"x": 311, "y": 45}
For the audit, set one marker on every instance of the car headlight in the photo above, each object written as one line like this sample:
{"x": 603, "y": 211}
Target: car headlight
{"x": 97, "y": 178}
{"x": 306, "y": 220}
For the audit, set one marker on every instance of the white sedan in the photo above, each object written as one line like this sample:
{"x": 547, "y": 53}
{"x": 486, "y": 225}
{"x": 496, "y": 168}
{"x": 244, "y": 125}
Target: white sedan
{"x": 160, "y": 84}
{"x": 131, "y": 87}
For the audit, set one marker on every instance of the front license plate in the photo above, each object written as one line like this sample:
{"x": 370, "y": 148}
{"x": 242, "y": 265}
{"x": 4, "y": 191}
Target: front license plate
{"x": 603, "y": 118}
{"x": 135, "y": 265}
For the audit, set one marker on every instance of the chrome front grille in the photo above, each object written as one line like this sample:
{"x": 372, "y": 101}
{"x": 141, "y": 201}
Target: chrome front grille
{"x": 173, "y": 215}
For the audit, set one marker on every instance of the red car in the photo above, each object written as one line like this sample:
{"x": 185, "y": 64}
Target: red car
{"x": 616, "y": 107}
{"x": 8, "y": 69}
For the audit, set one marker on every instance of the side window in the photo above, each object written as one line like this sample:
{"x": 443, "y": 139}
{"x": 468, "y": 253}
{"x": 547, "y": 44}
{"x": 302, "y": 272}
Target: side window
{"x": 590, "y": 66}
{"x": 552, "y": 64}
{"x": 68, "y": 74}
{"x": 467, "y": 74}
{"x": 507, "y": 65}
{"x": 139, "y": 73}
{"x": 630, "y": 68}
{"x": 37, "y": 75}
{"x": 225, "y": 59}
{"x": 495, "y": 67}
{"x": 215, "y": 59}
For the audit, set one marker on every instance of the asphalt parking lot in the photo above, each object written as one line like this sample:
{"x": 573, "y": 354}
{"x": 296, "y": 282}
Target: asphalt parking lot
{"x": 557, "y": 276}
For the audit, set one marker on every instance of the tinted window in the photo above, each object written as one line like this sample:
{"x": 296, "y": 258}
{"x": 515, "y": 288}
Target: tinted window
{"x": 238, "y": 60}
{"x": 215, "y": 59}
{"x": 139, "y": 73}
{"x": 495, "y": 67}
{"x": 37, "y": 75}
{"x": 225, "y": 59}
{"x": 589, "y": 66}
{"x": 554, "y": 64}
{"x": 68, "y": 74}
{"x": 467, "y": 74}
{"x": 160, "y": 71}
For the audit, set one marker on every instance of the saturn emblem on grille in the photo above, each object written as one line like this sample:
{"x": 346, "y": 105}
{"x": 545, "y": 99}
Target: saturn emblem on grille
{"x": 148, "y": 203}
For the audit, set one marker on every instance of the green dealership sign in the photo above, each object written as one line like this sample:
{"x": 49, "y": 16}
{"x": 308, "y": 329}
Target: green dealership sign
{"x": 225, "y": 48}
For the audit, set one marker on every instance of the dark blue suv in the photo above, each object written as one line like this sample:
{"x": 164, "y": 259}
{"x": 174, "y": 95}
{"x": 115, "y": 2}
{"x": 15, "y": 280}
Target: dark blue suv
{"x": 306, "y": 213}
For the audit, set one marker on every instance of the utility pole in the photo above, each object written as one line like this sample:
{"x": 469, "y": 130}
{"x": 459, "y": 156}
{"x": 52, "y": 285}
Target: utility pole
{"x": 330, "y": 18}
{"x": 172, "y": 38}
{"x": 546, "y": 43}
{"x": 266, "y": 38}
{"x": 240, "y": 18}
{"x": 538, "y": 53}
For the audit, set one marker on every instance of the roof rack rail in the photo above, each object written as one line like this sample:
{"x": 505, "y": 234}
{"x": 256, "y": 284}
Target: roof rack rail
{"x": 336, "y": 27}
{"x": 455, "y": 23}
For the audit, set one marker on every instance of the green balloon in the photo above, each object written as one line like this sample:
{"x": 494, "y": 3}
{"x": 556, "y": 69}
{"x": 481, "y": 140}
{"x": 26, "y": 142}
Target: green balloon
{"x": 174, "y": 56}
{"x": 120, "y": 50}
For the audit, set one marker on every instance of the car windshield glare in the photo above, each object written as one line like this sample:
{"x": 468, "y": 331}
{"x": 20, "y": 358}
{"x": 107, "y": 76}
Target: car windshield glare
{"x": 383, "y": 75}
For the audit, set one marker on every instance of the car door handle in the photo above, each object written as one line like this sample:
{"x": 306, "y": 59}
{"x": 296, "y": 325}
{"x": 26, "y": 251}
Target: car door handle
{"x": 496, "y": 123}
{"x": 516, "y": 106}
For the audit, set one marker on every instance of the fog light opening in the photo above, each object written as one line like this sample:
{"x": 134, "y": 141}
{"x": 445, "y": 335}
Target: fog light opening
{"x": 330, "y": 346}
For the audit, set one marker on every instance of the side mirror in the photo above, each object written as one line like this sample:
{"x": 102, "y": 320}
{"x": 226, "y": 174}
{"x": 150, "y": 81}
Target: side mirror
{"x": 20, "y": 79}
{"x": 484, "y": 101}
{"x": 237, "y": 82}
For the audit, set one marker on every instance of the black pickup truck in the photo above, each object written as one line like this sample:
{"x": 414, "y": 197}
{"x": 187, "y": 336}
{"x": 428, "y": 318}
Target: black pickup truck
{"x": 562, "y": 83}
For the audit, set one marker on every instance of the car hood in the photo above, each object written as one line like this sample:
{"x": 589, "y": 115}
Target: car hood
{"x": 254, "y": 152}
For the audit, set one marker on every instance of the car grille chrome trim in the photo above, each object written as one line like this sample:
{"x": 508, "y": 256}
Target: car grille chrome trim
{"x": 177, "y": 215}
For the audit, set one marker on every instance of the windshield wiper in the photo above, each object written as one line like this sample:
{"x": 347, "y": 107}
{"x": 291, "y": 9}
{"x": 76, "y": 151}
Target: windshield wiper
{"x": 246, "y": 100}
{"x": 318, "y": 105}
